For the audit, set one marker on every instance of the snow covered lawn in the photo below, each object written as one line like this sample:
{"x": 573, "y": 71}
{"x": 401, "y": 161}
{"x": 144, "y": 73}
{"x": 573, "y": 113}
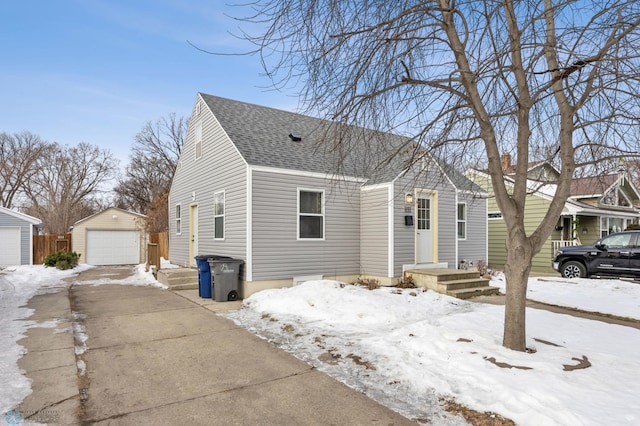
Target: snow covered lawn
{"x": 408, "y": 348}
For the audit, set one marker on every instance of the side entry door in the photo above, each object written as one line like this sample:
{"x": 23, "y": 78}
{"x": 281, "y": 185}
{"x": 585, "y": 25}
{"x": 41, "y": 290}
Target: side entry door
{"x": 424, "y": 229}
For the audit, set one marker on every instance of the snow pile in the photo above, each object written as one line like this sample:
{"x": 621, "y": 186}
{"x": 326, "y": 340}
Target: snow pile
{"x": 140, "y": 277}
{"x": 408, "y": 348}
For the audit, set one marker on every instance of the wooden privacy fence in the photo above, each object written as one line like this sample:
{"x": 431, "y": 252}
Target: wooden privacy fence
{"x": 162, "y": 240}
{"x": 158, "y": 247}
{"x": 44, "y": 245}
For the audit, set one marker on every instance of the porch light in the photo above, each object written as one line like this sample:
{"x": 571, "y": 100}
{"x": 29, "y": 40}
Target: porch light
{"x": 585, "y": 230}
{"x": 408, "y": 198}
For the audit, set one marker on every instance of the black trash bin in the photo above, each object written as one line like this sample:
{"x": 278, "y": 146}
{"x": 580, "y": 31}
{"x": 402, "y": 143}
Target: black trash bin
{"x": 226, "y": 278}
{"x": 204, "y": 274}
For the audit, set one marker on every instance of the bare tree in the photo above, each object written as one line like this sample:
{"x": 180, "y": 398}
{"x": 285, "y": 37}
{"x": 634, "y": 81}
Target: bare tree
{"x": 153, "y": 161}
{"x": 19, "y": 155}
{"x": 67, "y": 184}
{"x": 470, "y": 80}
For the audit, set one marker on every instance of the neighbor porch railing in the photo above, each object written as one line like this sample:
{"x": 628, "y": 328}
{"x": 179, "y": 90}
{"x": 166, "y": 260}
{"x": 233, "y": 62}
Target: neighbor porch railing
{"x": 556, "y": 244}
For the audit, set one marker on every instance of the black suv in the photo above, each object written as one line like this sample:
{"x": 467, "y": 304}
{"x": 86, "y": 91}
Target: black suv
{"x": 614, "y": 255}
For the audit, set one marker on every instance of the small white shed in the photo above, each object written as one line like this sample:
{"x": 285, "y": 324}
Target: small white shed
{"x": 112, "y": 237}
{"x": 16, "y": 237}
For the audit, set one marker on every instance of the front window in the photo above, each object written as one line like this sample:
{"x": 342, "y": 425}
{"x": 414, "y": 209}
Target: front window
{"x": 218, "y": 215}
{"x": 611, "y": 225}
{"x": 462, "y": 221}
{"x": 310, "y": 214}
{"x": 178, "y": 220}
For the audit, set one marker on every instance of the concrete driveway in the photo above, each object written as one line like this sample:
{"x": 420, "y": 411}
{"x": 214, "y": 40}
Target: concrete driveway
{"x": 124, "y": 354}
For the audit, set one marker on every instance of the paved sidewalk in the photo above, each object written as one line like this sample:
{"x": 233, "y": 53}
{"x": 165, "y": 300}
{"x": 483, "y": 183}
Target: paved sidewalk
{"x": 610, "y": 319}
{"x": 154, "y": 357}
{"x": 50, "y": 362}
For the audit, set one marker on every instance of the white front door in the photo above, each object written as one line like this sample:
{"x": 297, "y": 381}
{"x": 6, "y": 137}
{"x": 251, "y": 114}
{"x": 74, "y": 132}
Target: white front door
{"x": 193, "y": 234}
{"x": 424, "y": 229}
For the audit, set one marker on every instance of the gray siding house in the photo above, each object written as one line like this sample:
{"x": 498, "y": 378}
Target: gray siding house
{"x": 16, "y": 234}
{"x": 260, "y": 184}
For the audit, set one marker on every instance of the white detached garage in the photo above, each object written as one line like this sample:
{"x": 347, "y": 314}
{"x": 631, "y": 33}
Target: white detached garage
{"x": 111, "y": 237}
{"x": 16, "y": 237}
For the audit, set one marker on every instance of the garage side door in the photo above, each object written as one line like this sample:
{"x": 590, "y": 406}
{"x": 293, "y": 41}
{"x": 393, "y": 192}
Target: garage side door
{"x": 9, "y": 246}
{"x": 113, "y": 247}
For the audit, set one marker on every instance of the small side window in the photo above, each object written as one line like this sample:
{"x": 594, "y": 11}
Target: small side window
{"x": 462, "y": 221}
{"x": 218, "y": 215}
{"x": 198, "y": 135}
{"x": 178, "y": 220}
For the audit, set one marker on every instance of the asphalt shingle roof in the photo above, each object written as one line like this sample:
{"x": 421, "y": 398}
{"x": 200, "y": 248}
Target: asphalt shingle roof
{"x": 261, "y": 135}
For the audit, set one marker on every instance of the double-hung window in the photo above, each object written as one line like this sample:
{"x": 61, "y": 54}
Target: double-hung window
{"x": 462, "y": 221}
{"x": 178, "y": 220}
{"x": 218, "y": 215}
{"x": 310, "y": 214}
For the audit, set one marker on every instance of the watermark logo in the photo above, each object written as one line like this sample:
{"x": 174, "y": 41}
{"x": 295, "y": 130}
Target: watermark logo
{"x": 13, "y": 417}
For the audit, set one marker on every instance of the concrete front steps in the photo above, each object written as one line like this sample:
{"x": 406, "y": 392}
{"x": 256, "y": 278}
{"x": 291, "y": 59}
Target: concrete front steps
{"x": 462, "y": 284}
{"x": 179, "y": 278}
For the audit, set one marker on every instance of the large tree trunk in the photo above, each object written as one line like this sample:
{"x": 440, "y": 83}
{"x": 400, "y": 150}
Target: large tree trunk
{"x": 517, "y": 269}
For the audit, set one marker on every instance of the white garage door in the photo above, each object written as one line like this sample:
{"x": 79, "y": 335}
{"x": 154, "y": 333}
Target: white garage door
{"x": 9, "y": 246}
{"x": 113, "y": 247}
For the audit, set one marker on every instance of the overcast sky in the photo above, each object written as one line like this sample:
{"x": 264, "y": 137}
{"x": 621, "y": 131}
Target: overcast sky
{"x": 97, "y": 70}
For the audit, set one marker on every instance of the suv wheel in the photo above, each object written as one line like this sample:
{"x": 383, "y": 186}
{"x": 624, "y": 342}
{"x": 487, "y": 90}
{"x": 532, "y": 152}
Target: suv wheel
{"x": 573, "y": 269}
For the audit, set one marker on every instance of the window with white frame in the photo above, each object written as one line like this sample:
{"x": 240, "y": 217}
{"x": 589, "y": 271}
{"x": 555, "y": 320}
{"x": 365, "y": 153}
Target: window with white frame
{"x": 611, "y": 225}
{"x": 494, "y": 215}
{"x": 462, "y": 221}
{"x": 310, "y": 214}
{"x": 198, "y": 131}
{"x": 178, "y": 220}
{"x": 218, "y": 215}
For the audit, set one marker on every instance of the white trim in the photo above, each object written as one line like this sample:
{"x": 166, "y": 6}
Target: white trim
{"x": 391, "y": 231}
{"x": 457, "y": 240}
{"x": 322, "y": 214}
{"x": 23, "y": 216}
{"x": 248, "y": 270}
{"x": 106, "y": 210}
{"x": 223, "y": 215}
{"x": 486, "y": 236}
{"x": 307, "y": 174}
{"x": 595, "y": 211}
{"x": 616, "y": 187}
{"x": 377, "y": 186}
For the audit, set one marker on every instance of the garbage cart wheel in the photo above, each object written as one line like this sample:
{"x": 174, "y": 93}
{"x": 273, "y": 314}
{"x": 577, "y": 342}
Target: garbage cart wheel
{"x": 233, "y": 295}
